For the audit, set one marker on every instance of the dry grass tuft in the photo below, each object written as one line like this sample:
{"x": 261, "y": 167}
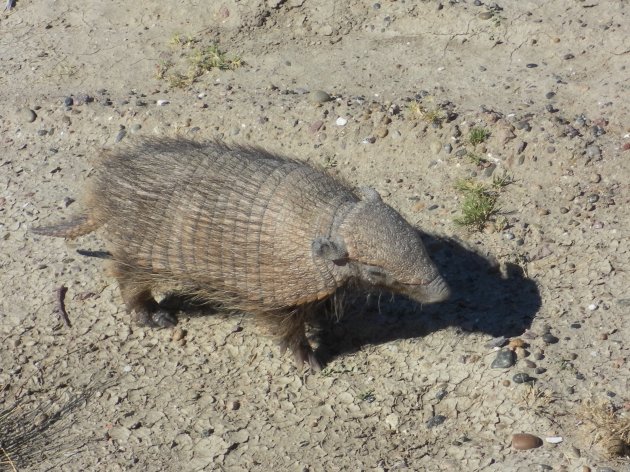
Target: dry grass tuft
{"x": 606, "y": 428}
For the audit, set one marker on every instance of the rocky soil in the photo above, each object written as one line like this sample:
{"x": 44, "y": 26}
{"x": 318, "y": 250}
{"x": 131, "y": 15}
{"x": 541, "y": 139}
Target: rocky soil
{"x": 536, "y": 337}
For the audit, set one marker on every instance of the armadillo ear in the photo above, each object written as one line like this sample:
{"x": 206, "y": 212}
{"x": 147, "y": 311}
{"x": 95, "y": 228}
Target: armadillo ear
{"x": 369, "y": 194}
{"x": 330, "y": 250}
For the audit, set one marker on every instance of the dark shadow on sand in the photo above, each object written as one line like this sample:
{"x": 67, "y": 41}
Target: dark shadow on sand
{"x": 486, "y": 297}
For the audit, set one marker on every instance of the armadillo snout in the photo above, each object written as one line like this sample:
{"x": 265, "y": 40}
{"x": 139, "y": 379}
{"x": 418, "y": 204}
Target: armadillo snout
{"x": 438, "y": 290}
{"x": 435, "y": 291}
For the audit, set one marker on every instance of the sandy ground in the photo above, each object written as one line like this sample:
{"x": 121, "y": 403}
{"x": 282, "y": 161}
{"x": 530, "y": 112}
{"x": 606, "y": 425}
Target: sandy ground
{"x": 405, "y": 387}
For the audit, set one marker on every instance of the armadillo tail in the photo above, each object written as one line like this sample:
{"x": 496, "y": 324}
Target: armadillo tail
{"x": 72, "y": 228}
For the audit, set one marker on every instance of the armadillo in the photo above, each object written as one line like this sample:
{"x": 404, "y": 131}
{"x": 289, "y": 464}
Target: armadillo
{"x": 248, "y": 229}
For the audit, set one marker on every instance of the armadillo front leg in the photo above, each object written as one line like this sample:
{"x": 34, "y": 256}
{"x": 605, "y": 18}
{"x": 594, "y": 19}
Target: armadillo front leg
{"x": 291, "y": 330}
{"x": 144, "y": 310}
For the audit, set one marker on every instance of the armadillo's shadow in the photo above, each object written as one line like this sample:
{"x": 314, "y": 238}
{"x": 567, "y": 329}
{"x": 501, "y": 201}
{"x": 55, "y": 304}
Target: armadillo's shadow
{"x": 488, "y": 298}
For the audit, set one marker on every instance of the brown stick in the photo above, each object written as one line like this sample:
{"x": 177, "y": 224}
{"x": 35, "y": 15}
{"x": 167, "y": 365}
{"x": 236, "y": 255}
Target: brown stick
{"x": 61, "y": 306}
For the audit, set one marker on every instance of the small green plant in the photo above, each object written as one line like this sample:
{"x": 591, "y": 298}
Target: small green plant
{"x": 178, "y": 80}
{"x": 162, "y": 68}
{"x": 478, "y": 206}
{"x": 198, "y": 59}
{"x": 476, "y": 159}
{"x": 330, "y": 162}
{"x": 180, "y": 40}
{"x": 417, "y": 110}
{"x": 478, "y": 135}
{"x": 211, "y": 57}
{"x": 501, "y": 223}
{"x": 499, "y": 182}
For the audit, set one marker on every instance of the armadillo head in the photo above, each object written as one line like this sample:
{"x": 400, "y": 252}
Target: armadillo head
{"x": 383, "y": 250}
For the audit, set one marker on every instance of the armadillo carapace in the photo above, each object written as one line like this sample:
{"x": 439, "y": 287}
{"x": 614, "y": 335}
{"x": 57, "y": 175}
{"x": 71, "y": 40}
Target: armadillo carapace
{"x": 247, "y": 229}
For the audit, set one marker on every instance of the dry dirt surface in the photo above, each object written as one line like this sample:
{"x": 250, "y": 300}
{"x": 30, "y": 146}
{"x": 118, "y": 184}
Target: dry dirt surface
{"x": 540, "y": 288}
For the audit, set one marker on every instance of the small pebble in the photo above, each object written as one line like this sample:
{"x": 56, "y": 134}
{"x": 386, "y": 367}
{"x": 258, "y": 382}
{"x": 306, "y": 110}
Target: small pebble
{"x": 530, "y": 364}
{"x": 318, "y": 97}
{"x": 506, "y": 383}
{"x": 568, "y": 57}
{"x": 161, "y": 103}
{"x": 119, "y": 137}
{"x": 550, "y": 95}
{"x": 68, "y": 101}
{"x": 522, "y": 377}
{"x": 592, "y": 307}
{"x": 540, "y": 370}
{"x": 486, "y": 15}
{"x": 440, "y": 394}
{"x": 233, "y": 405}
{"x": 531, "y": 65}
{"x": 179, "y": 334}
{"x": 549, "y": 338}
{"x": 521, "y": 353}
{"x": 27, "y": 115}
{"x": 436, "y": 421}
{"x": 550, "y": 108}
{"x": 517, "y": 342}
{"x": 341, "y": 121}
{"x": 496, "y": 342}
{"x": 381, "y": 132}
{"x": 554, "y": 439}
{"x": 593, "y": 198}
{"x": 524, "y": 441}
{"x": 504, "y": 359}
{"x": 564, "y": 210}
{"x": 315, "y": 126}
{"x": 593, "y": 151}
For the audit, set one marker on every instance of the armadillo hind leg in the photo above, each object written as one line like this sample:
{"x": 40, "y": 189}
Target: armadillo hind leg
{"x": 144, "y": 310}
{"x": 291, "y": 330}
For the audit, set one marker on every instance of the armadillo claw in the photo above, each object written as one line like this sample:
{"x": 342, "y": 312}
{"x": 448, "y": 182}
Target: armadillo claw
{"x": 303, "y": 354}
{"x": 313, "y": 362}
{"x": 163, "y": 319}
{"x": 154, "y": 319}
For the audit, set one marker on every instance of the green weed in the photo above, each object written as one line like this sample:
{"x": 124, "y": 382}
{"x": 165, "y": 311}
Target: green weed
{"x": 478, "y": 135}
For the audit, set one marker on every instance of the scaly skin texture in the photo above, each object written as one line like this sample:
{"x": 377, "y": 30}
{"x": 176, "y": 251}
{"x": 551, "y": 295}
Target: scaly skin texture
{"x": 247, "y": 229}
